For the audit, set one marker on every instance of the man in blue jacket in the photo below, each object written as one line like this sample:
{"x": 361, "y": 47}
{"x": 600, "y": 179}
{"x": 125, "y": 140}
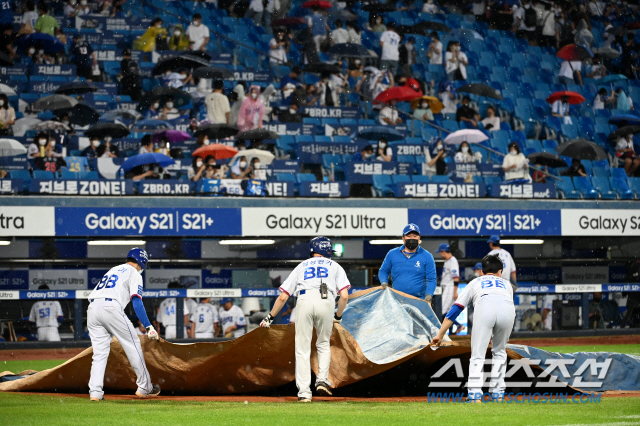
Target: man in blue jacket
{"x": 411, "y": 268}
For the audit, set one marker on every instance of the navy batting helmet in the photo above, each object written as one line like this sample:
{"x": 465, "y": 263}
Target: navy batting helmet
{"x": 139, "y": 256}
{"x": 322, "y": 246}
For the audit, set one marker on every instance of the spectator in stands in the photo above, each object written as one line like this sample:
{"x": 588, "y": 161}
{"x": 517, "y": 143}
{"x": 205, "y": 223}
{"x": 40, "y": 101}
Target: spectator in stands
{"x": 388, "y": 115}
{"x": 607, "y": 35}
{"x": 290, "y": 115}
{"x": 198, "y": 33}
{"x": 430, "y": 7}
{"x": 602, "y": 99}
{"x": 423, "y": 111}
{"x": 131, "y": 80}
{"x": 257, "y": 171}
{"x": 597, "y": 69}
{"x": 155, "y": 37}
{"x": 354, "y": 32}
{"x": 378, "y": 27}
{"x": 447, "y": 94}
{"x": 236, "y": 97}
{"x": 583, "y": 35}
{"x": 146, "y": 145}
{"x": 163, "y": 146}
{"x": 153, "y": 111}
{"x": 49, "y": 161}
{"x": 384, "y": 151}
{"x": 564, "y": 28}
{"x": 524, "y": 21}
{"x": 309, "y": 50}
{"x": 515, "y": 164}
{"x": 179, "y": 40}
{"x": 217, "y": 103}
{"x": 7, "y": 115}
{"x": 491, "y": 121}
{"x": 107, "y": 149}
{"x": 6, "y": 42}
{"x": 289, "y": 83}
{"x": 36, "y": 148}
{"x": 29, "y": 19}
{"x": 279, "y": 46}
{"x": 576, "y": 169}
{"x": 168, "y": 111}
{"x": 569, "y": 71}
{"x": 45, "y": 24}
{"x": 313, "y": 97}
{"x": 466, "y": 113}
{"x": 560, "y": 109}
{"x": 319, "y": 28}
{"x": 626, "y": 152}
{"x": 328, "y": 91}
{"x": 549, "y": 33}
{"x": 455, "y": 62}
{"x": 623, "y": 101}
{"x": 540, "y": 176}
{"x": 251, "y": 111}
{"x": 241, "y": 169}
{"x": 84, "y": 56}
{"x": 364, "y": 155}
{"x": 407, "y": 55}
{"x": 197, "y": 169}
{"x": 146, "y": 171}
{"x": 390, "y": 43}
{"x": 92, "y": 150}
{"x": 339, "y": 35}
{"x": 434, "y": 165}
{"x": 466, "y": 155}
{"x": 255, "y": 12}
{"x": 215, "y": 171}
{"x": 434, "y": 52}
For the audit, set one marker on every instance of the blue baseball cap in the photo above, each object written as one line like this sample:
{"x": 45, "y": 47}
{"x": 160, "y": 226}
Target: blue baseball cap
{"x": 139, "y": 256}
{"x": 225, "y": 300}
{"x": 478, "y": 266}
{"x": 494, "y": 239}
{"x": 412, "y": 227}
{"x": 444, "y": 247}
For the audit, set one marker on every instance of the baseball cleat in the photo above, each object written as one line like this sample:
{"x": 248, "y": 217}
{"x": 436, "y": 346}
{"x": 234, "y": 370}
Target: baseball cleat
{"x": 93, "y": 398}
{"x": 303, "y": 399}
{"x": 323, "y": 389}
{"x": 155, "y": 391}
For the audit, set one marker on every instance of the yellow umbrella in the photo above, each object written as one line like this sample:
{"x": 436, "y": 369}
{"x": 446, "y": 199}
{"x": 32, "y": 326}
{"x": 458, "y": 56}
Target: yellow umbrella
{"x": 434, "y": 103}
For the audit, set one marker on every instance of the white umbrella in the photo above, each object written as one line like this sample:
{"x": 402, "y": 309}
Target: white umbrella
{"x": 11, "y": 147}
{"x": 7, "y": 90}
{"x": 265, "y": 157}
{"x": 21, "y": 126}
{"x": 466, "y": 135}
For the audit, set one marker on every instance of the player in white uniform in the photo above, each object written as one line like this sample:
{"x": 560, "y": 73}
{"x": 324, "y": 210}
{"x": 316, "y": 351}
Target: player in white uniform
{"x": 167, "y": 315}
{"x": 232, "y": 319}
{"x": 492, "y": 299}
{"x": 47, "y": 314}
{"x": 316, "y": 281}
{"x": 509, "y": 266}
{"x": 106, "y": 319}
{"x": 449, "y": 281}
{"x": 204, "y": 321}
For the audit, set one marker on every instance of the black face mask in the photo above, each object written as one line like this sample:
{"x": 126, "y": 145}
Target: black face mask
{"x": 411, "y": 244}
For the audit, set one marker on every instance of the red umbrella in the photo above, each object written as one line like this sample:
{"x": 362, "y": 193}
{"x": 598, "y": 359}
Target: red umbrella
{"x": 217, "y": 150}
{"x": 291, "y": 21}
{"x": 399, "y": 93}
{"x": 322, "y": 4}
{"x": 572, "y": 52}
{"x": 574, "y": 98}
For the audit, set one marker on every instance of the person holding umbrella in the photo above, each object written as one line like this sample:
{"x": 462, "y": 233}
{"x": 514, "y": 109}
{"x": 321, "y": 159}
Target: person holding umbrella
{"x": 36, "y": 148}
{"x": 388, "y": 115}
{"x": 146, "y": 145}
{"x": 569, "y": 71}
{"x": 168, "y": 112}
{"x": 153, "y": 111}
{"x": 197, "y": 169}
{"x": 602, "y": 100}
{"x": 91, "y": 151}
{"x": 241, "y": 169}
{"x": 423, "y": 112}
{"x": 540, "y": 176}
{"x": 515, "y": 164}
{"x": 625, "y": 151}
{"x": 560, "y": 109}
{"x": 318, "y": 24}
{"x": 107, "y": 150}
{"x": 467, "y": 114}
{"x": 576, "y": 169}
{"x": 434, "y": 52}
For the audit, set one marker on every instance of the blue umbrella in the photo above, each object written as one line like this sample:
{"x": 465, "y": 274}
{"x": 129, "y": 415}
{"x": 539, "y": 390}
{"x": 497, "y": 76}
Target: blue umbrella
{"x": 378, "y": 132}
{"x": 48, "y": 43}
{"x": 151, "y": 126}
{"x": 612, "y": 78}
{"x": 625, "y": 120}
{"x": 149, "y": 158}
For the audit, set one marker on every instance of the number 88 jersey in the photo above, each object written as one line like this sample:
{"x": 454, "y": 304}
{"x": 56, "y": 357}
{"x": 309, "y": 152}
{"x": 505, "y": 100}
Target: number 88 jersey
{"x": 481, "y": 286}
{"x": 309, "y": 274}
{"x": 121, "y": 283}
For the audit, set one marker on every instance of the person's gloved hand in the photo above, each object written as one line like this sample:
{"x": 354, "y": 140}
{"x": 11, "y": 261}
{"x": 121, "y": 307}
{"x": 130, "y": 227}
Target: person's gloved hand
{"x": 266, "y": 322}
{"x": 152, "y": 333}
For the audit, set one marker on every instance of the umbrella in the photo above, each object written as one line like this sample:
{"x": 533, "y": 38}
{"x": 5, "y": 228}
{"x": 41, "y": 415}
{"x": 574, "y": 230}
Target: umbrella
{"x": 606, "y": 52}
{"x": 5, "y": 60}
{"x": 616, "y": 31}
{"x": 174, "y": 62}
{"x": 172, "y": 135}
{"x": 54, "y": 102}
{"x": 198, "y": 53}
{"x": 76, "y": 88}
{"x": 81, "y": 115}
{"x": 11, "y": 147}
{"x": 466, "y": 135}
{"x": 481, "y": 90}
{"x": 435, "y": 105}
{"x": 573, "y": 52}
{"x": 547, "y": 159}
{"x": 7, "y": 90}
{"x": 213, "y": 72}
{"x": 582, "y": 150}
{"x": 411, "y": 29}
{"x": 379, "y": 7}
{"x": 625, "y": 120}
{"x": 398, "y": 93}
{"x": 322, "y": 4}
{"x": 376, "y": 133}
{"x": 50, "y": 44}
{"x": 21, "y": 125}
{"x": 151, "y": 125}
{"x": 349, "y": 49}
{"x": 101, "y": 130}
{"x": 50, "y": 125}
{"x": 433, "y": 26}
{"x": 467, "y": 34}
{"x": 320, "y": 67}
{"x": 217, "y": 131}
{"x": 217, "y": 150}
{"x": 180, "y": 98}
{"x": 265, "y": 157}
{"x": 611, "y": 78}
{"x": 289, "y": 22}
{"x": 344, "y": 14}
{"x": 624, "y": 131}
{"x": 120, "y": 114}
{"x": 574, "y": 98}
{"x": 148, "y": 158}
{"x": 257, "y": 134}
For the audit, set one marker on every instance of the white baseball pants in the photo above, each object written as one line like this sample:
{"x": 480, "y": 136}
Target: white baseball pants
{"x": 48, "y": 334}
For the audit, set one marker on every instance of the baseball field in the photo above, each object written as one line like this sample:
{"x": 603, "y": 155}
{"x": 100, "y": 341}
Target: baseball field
{"x": 62, "y": 409}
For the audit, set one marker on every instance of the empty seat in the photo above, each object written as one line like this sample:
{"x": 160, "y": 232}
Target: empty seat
{"x": 382, "y": 185}
{"x": 69, "y": 175}
{"x": 306, "y": 177}
{"x": 550, "y": 143}
{"x": 400, "y": 179}
{"x": 89, "y": 175}
{"x": 618, "y": 172}
{"x": 43, "y": 174}
{"x": 634, "y": 185}
{"x": 620, "y": 186}
{"x": 566, "y": 188}
{"x": 420, "y": 179}
{"x": 601, "y": 184}
{"x": 440, "y": 179}
{"x": 583, "y": 185}
{"x": 286, "y": 177}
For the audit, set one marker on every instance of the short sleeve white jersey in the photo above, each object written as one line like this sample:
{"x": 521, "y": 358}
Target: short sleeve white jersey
{"x": 167, "y": 311}
{"x": 204, "y": 316}
{"x": 121, "y": 283}
{"x": 482, "y": 286}
{"x": 450, "y": 271}
{"x": 45, "y": 313}
{"x": 233, "y": 316}
{"x": 309, "y": 274}
{"x": 508, "y": 265}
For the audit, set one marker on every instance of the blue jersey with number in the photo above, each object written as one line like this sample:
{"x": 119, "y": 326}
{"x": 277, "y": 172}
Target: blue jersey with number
{"x": 6, "y": 12}
{"x": 311, "y": 273}
{"x": 255, "y": 188}
{"x": 121, "y": 283}
{"x": 482, "y": 286}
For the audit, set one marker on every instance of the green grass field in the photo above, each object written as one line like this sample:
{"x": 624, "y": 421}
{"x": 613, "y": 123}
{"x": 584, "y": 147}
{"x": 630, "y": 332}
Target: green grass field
{"x": 25, "y": 409}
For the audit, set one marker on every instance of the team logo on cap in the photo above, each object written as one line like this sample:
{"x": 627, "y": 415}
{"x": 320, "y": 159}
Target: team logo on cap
{"x": 324, "y": 245}
{"x": 418, "y": 264}
{"x": 412, "y": 227}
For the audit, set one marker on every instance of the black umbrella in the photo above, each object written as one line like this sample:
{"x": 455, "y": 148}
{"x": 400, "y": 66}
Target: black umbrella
{"x": 76, "y": 88}
{"x": 82, "y": 114}
{"x": 213, "y": 72}
{"x": 433, "y": 26}
{"x": 174, "y": 62}
{"x": 481, "y": 90}
{"x": 199, "y": 53}
{"x": 5, "y": 60}
{"x": 378, "y": 132}
{"x": 624, "y": 131}
{"x": 257, "y": 134}
{"x": 606, "y": 52}
{"x": 320, "y": 67}
{"x": 582, "y": 149}
{"x": 379, "y": 7}
{"x": 54, "y": 102}
{"x": 217, "y": 131}
{"x": 349, "y": 49}
{"x": 101, "y": 130}
{"x": 343, "y": 14}
{"x": 412, "y": 29}
{"x": 180, "y": 98}
{"x": 547, "y": 159}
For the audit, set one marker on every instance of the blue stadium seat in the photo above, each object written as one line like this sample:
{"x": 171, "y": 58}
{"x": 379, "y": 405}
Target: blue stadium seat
{"x": 600, "y": 172}
{"x": 622, "y": 188}
{"x": 322, "y": 138}
{"x": 583, "y": 185}
{"x": 89, "y": 175}
{"x": 420, "y": 179}
{"x": 405, "y": 158}
{"x": 304, "y": 138}
{"x": 534, "y": 144}
{"x": 329, "y": 160}
{"x": 550, "y": 143}
{"x": 570, "y": 131}
{"x": 604, "y": 164}
{"x": 382, "y": 185}
{"x": 618, "y": 172}
{"x": 342, "y": 139}
{"x": 588, "y": 166}
{"x": 601, "y": 184}
{"x": 566, "y": 188}
{"x": 43, "y": 174}
{"x": 24, "y": 175}
{"x": 306, "y": 177}
{"x": 69, "y": 175}
{"x": 286, "y": 177}
{"x": 440, "y": 179}
{"x": 400, "y": 179}
{"x": 311, "y": 120}
{"x": 634, "y": 185}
